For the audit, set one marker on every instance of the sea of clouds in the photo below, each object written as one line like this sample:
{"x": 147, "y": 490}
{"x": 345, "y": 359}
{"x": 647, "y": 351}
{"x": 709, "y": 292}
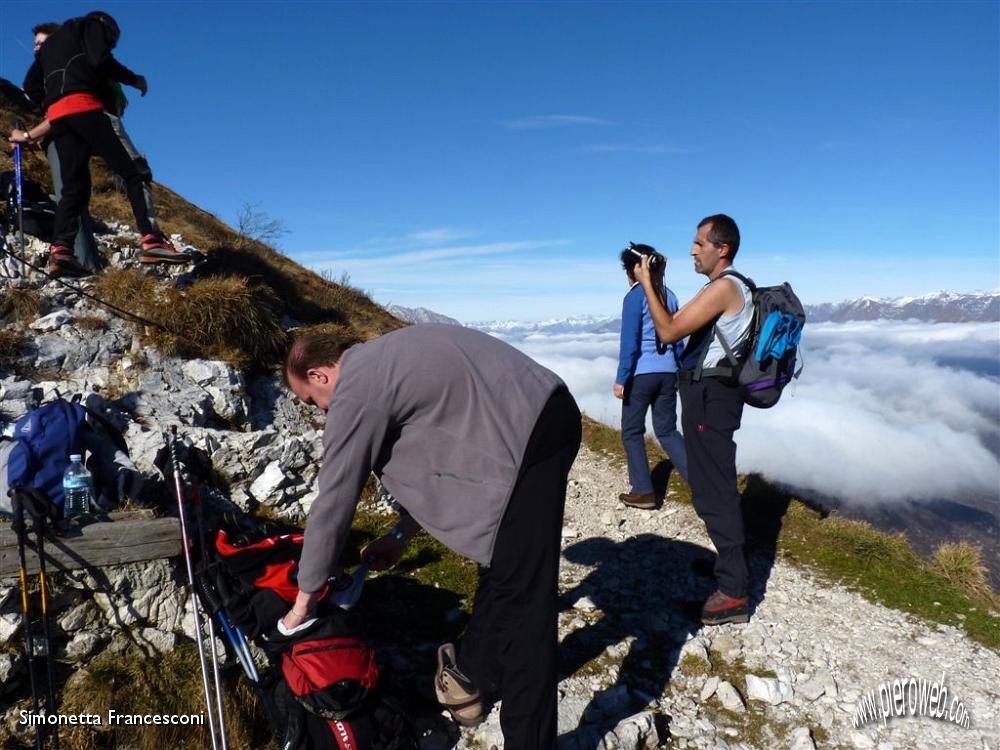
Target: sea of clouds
{"x": 884, "y": 411}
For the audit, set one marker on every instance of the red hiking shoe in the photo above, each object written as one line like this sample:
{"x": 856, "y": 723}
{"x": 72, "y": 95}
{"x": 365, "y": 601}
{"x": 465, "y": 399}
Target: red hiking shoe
{"x": 720, "y": 609}
{"x": 63, "y": 263}
{"x": 158, "y": 249}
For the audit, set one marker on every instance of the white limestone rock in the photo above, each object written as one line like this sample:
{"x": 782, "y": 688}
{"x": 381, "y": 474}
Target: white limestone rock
{"x": 730, "y": 698}
{"x": 768, "y": 689}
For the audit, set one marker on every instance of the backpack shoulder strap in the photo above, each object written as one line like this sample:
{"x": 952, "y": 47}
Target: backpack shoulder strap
{"x": 736, "y": 274}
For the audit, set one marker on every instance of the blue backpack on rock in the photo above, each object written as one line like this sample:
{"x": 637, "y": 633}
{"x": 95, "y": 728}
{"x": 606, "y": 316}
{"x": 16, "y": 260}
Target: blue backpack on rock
{"x": 39, "y": 452}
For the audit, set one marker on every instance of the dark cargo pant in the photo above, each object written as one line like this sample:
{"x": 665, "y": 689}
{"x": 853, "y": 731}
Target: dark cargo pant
{"x": 711, "y": 415}
{"x": 510, "y": 646}
{"x": 76, "y": 137}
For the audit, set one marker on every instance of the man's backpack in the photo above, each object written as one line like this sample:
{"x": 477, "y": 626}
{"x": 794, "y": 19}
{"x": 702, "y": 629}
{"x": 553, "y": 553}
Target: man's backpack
{"x": 38, "y": 455}
{"x": 39, "y": 210}
{"x": 764, "y": 363}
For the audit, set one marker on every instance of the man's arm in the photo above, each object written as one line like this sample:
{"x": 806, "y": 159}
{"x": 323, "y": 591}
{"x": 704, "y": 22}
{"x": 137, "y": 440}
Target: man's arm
{"x": 351, "y": 441}
{"x": 709, "y": 303}
{"x": 95, "y": 42}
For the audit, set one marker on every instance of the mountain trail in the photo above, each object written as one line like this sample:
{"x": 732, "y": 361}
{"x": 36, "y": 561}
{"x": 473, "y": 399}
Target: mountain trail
{"x": 641, "y": 672}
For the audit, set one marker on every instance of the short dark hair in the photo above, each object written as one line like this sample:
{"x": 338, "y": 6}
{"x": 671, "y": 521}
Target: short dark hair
{"x": 316, "y": 350}
{"x": 49, "y": 27}
{"x": 723, "y": 232}
{"x": 630, "y": 260}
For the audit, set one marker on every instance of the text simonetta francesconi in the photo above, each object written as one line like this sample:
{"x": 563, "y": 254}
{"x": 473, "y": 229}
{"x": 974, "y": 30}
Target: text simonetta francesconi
{"x": 110, "y": 718}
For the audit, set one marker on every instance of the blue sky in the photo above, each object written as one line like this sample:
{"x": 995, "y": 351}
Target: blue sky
{"x": 489, "y": 160}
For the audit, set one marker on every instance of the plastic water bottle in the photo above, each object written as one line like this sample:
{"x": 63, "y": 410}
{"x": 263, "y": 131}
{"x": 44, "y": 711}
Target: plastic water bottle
{"x": 77, "y": 488}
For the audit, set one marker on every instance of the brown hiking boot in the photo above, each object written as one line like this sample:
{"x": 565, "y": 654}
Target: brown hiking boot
{"x": 455, "y": 691}
{"x": 63, "y": 263}
{"x": 720, "y": 609}
{"x": 646, "y": 501}
{"x": 158, "y": 249}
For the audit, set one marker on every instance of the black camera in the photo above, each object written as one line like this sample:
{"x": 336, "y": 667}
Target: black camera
{"x": 656, "y": 261}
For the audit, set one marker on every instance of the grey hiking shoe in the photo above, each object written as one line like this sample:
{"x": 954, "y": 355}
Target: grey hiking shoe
{"x": 455, "y": 691}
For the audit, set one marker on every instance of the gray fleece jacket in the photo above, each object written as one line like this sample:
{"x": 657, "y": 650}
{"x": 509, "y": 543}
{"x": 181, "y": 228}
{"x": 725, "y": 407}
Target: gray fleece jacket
{"x": 442, "y": 414}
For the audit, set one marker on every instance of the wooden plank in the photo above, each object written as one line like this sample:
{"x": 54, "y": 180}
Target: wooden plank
{"x": 96, "y": 545}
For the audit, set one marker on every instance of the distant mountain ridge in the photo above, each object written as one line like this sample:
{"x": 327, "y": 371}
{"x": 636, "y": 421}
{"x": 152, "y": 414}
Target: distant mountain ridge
{"x": 420, "y": 315}
{"x": 577, "y": 324}
{"x": 937, "y": 307}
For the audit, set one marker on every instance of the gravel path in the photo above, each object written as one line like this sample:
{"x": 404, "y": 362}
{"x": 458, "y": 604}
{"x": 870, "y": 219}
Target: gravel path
{"x": 642, "y": 673}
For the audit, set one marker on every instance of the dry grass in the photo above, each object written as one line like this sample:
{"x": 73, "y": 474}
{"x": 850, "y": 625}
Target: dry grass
{"x": 962, "y": 564}
{"x": 91, "y": 322}
{"x": 223, "y": 318}
{"x": 304, "y": 294}
{"x": 12, "y": 346}
{"x": 20, "y": 305}
{"x": 168, "y": 684}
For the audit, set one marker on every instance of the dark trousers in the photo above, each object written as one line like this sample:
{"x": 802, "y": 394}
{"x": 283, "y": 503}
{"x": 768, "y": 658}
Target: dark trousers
{"x": 656, "y": 390}
{"x": 510, "y": 646}
{"x": 76, "y": 138}
{"x": 711, "y": 414}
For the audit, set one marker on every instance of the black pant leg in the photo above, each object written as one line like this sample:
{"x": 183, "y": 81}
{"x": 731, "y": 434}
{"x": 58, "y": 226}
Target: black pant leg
{"x": 522, "y": 593}
{"x": 96, "y": 129}
{"x": 711, "y": 415}
{"x": 74, "y": 171}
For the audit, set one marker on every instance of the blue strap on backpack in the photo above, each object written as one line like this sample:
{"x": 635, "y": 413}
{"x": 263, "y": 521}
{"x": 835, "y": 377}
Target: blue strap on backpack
{"x": 47, "y": 436}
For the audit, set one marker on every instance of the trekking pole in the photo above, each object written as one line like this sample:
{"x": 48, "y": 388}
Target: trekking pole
{"x": 17, "y": 508}
{"x": 38, "y": 517}
{"x": 200, "y": 531}
{"x": 18, "y": 125}
{"x": 179, "y": 487}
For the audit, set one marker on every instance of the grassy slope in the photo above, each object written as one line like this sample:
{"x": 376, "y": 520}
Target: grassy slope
{"x": 883, "y": 567}
{"x": 304, "y": 295}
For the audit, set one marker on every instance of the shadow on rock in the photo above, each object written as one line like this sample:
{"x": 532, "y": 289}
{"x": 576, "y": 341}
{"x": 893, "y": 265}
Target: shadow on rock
{"x": 644, "y": 587}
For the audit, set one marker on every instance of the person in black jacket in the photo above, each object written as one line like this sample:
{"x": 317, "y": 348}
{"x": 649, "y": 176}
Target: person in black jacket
{"x": 68, "y": 78}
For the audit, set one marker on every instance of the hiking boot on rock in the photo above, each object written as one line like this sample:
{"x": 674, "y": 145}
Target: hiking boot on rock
{"x": 158, "y": 249}
{"x": 455, "y": 691}
{"x": 720, "y": 609}
{"x": 644, "y": 501}
{"x": 62, "y": 263}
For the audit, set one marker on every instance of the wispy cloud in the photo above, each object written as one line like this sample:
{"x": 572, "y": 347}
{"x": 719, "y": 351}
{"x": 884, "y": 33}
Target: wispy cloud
{"x": 435, "y": 236}
{"x": 543, "y": 122}
{"x": 634, "y": 148}
{"x": 419, "y": 257}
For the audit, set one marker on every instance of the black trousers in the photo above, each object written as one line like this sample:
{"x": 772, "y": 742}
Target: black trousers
{"x": 510, "y": 646}
{"x": 711, "y": 415}
{"x": 76, "y": 138}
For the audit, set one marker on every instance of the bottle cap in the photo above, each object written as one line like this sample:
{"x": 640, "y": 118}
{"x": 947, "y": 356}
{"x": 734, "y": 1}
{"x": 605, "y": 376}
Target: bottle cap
{"x": 75, "y": 457}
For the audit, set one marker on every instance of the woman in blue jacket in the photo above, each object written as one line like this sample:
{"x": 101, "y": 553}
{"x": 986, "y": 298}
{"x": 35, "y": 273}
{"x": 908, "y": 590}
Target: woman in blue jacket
{"x": 647, "y": 377}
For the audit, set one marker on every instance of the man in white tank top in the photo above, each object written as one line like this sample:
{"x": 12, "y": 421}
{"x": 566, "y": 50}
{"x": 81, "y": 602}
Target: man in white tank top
{"x": 712, "y": 404}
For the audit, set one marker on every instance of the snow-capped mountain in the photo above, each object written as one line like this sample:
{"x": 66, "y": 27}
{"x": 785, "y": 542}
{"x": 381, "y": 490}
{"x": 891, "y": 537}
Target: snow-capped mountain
{"x": 577, "y": 324}
{"x": 420, "y": 315}
{"x": 937, "y": 307}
